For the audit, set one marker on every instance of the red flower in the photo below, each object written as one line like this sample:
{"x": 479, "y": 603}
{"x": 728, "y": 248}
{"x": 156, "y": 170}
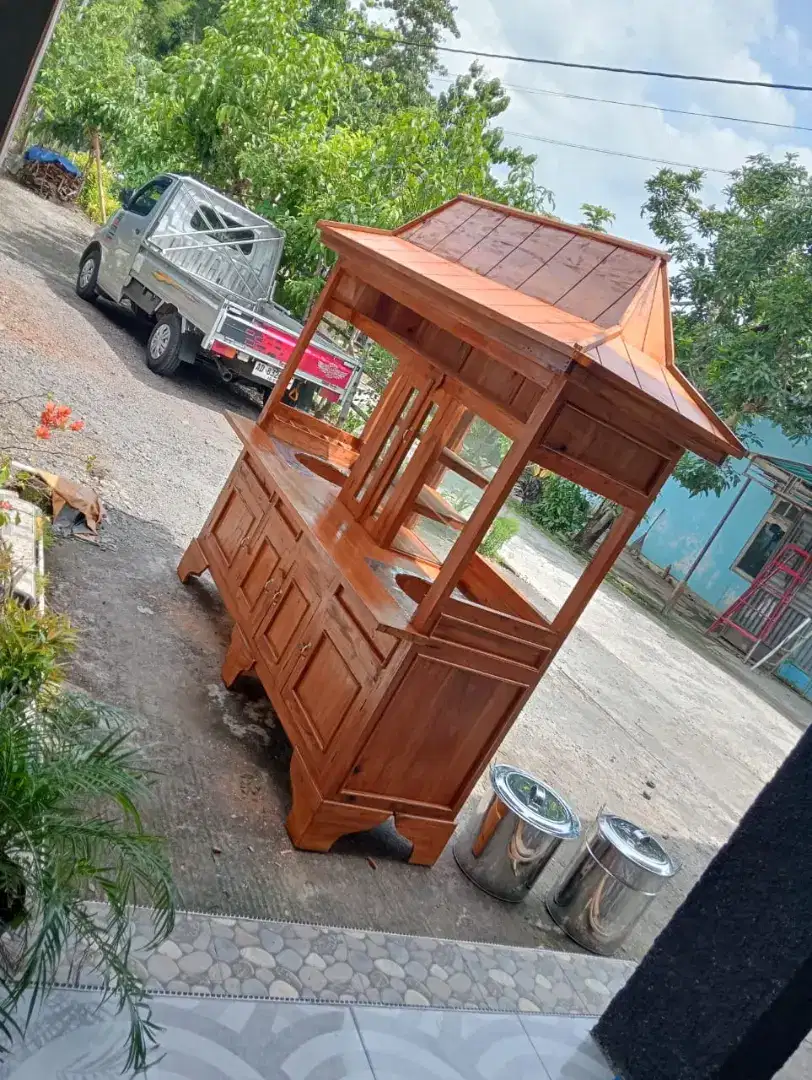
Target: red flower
{"x": 5, "y": 505}
{"x": 55, "y": 416}
{"x": 43, "y": 432}
{"x": 77, "y": 425}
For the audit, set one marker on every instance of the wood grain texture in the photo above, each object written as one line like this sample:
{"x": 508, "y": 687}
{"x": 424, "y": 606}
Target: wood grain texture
{"x": 239, "y": 659}
{"x": 315, "y": 823}
{"x": 428, "y": 836}
{"x": 193, "y": 563}
{"x": 396, "y": 672}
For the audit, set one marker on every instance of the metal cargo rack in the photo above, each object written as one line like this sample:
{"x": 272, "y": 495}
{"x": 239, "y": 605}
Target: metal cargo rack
{"x": 219, "y": 243}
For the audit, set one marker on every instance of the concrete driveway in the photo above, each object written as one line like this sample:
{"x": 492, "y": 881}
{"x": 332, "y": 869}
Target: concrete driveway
{"x": 632, "y": 714}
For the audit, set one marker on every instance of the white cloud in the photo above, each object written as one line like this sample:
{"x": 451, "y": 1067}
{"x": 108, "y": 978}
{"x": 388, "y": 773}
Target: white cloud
{"x": 719, "y": 37}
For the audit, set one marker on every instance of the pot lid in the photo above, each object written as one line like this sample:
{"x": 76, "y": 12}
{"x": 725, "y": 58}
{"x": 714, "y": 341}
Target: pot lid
{"x": 534, "y": 802}
{"x": 636, "y": 845}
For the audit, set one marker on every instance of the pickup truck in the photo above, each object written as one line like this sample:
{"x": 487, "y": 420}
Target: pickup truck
{"x": 202, "y": 268}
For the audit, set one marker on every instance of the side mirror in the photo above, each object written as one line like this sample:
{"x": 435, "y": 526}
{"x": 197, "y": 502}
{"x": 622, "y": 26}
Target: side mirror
{"x": 125, "y": 195}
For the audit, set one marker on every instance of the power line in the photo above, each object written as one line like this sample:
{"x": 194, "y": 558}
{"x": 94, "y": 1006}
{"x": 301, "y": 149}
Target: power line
{"x": 639, "y": 105}
{"x": 393, "y": 40}
{"x": 614, "y": 153}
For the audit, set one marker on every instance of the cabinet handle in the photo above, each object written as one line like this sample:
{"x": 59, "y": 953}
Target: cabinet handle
{"x": 306, "y": 648}
{"x": 268, "y": 586}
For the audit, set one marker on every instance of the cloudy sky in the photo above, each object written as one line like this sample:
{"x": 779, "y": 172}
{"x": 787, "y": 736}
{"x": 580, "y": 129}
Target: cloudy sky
{"x": 766, "y": 40}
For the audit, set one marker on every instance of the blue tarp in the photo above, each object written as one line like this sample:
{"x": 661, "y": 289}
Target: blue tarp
{"x": 43, "y": 154}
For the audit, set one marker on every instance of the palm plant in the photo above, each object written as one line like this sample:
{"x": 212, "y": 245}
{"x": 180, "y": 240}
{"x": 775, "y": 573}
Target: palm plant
{"x": 70, "y": 833}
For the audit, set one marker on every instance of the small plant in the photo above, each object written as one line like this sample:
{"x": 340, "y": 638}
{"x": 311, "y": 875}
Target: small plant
{"x": 70, "y": 832}
{"x": 502, "y": 530}
{"x": 562, "y": 507}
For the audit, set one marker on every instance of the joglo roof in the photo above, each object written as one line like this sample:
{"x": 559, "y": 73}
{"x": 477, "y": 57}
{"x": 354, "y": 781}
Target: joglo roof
{"x": 600, "y": 300}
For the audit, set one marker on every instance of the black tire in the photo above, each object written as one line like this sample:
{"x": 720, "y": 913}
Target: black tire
{"x": 88, "y": 276}
{"x": 164, "y": 345}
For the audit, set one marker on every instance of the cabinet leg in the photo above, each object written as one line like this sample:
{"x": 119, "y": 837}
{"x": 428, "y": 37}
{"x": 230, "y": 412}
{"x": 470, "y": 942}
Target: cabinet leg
{"x": 428, "y": 836}
{"x": 193, "y": 563}
{"x": 314, "y": 823}
{"x": 239, "y": 659}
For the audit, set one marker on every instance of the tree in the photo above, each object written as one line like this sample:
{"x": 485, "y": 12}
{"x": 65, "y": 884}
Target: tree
{"x": 742, "y": 295}
{"x": 167, "y": 24}
{"x": 423, "y": 21}
{"x": 93, "y": 73}
{"x": 304, "y": 130}
{"x": 597, "y": 218}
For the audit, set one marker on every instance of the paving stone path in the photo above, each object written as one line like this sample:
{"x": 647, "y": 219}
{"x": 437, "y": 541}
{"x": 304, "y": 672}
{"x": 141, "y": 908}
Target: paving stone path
{"x": 211, "y": 955}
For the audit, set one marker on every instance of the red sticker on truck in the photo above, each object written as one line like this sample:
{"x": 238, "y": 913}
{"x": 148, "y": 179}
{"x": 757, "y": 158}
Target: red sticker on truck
{"x": 316, "y": 361}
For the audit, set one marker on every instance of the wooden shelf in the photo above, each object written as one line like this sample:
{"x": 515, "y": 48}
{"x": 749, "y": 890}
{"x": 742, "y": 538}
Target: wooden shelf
{"x": 462, "y": 468}
{"x": 431, "y": 504}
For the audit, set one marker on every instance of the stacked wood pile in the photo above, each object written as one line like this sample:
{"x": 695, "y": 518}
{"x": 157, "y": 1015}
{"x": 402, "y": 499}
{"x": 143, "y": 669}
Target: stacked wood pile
{"x": 51, "y": 181}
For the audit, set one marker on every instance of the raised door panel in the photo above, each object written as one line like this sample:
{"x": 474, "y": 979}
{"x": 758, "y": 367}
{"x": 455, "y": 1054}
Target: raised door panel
{"x": 237, "y": 518}
{"x": 434, "y": 737}
{"x": 325, "y": 688}
{"x": 287, "y": 617}
{"x": 260, "y": 574}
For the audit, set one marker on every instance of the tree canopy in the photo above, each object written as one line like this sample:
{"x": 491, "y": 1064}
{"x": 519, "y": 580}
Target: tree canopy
{"x": 741, "y": 295}
{"x": 309, "y": 109}
{"x": 303, "y": 109}
{"x": 93, "y": 71}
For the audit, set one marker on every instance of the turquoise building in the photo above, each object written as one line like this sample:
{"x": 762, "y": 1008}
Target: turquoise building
{"x": 755, "y": 527}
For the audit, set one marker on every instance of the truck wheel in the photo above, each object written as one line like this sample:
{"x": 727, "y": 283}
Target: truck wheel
{"x": 88, "y": 276}
{"x": 164, "y": 345}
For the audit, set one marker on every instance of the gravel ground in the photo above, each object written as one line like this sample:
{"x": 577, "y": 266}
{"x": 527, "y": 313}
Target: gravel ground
{"x": 159, "y": 447}
{"x": 627, "y": 704}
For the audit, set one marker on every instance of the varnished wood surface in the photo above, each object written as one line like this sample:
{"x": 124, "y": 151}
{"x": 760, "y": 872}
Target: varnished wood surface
{"x": 348, "y": 546}
{"x": 395, "y": 671}
{"x": 586, "y": 296}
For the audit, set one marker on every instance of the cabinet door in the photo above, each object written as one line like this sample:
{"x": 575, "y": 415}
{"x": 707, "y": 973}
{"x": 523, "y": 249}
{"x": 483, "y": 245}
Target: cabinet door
{"x": 237, "y": 518}
{"x": 260, "y": 573}
{"x": 329, "y": 681}
{"x": 290, "y": 609}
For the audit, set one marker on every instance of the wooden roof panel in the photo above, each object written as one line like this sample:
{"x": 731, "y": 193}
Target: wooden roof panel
{"x": 469, "y": 233}
{"x": 566, "y": 269}
{"x": 611, "y": 280}
{"x": 593, "y": 298}
{"x": 529, "y": 256}
{"x": 429, "y": 232}
{"x": 492, "y": 249}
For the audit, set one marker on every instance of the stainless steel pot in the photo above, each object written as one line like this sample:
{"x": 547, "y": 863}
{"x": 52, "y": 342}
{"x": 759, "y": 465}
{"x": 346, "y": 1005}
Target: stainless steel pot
{"x": 616, "y": 873}
{"x": 507, "y": 842}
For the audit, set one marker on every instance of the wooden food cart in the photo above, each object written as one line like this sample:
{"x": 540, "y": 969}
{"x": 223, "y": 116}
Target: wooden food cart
{"x": 397, "y": 669}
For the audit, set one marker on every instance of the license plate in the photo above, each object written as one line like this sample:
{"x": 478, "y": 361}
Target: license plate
{"x": 265, "y": 371}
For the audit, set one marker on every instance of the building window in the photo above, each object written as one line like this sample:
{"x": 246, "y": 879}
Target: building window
{"x": 768, "y": 539}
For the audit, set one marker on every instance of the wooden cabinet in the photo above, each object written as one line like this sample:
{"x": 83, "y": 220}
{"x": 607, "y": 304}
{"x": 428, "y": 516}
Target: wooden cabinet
{"x": 329, "y": 682}
{"x": 259, "y": 574}
{"x": 290, "y": 607}
{"x": 235, "y": 519}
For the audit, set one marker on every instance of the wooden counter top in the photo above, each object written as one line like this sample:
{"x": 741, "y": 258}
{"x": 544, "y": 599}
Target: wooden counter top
{"x": 367, "y": 569}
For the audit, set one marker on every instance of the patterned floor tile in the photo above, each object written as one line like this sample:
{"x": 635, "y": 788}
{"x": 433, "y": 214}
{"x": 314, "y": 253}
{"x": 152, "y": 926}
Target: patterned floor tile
{"x": 435, "y": 1045}
{"x": 237, "y": 957}
{"x": 522, "y": 980}
{"x": 565, "y": 1048}
{"x": 596, "y": 978}
{"x": 218, "y": 1040}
